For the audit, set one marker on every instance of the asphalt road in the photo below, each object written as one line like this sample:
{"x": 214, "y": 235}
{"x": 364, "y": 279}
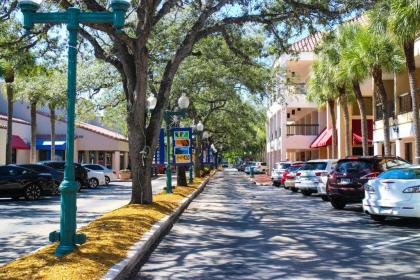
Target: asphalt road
{"x": 235, "y": 230}
{"x": 25, "y": 225}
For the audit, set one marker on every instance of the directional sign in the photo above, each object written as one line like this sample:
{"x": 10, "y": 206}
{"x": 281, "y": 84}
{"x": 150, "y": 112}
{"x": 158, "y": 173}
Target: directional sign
{"x": 182, "y": 146}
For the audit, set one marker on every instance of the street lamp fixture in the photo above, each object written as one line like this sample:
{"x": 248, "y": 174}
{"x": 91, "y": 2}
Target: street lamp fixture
{"x": 200, "y": 126}
{"x": 183, "y": 103}
{"x": 72, "y": 17}
{"x": 206, "y": 135}
{"x": 151, "y": 102}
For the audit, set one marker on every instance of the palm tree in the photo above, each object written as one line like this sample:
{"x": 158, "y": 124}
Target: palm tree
{"x": 321, "y": 90}
{"x": 379, "y": 54}
{"x": 8, "y": 73}
{"x": 403, "y": 24}
{"x": 355, "y": 72}
{"x": 329, "y": 53}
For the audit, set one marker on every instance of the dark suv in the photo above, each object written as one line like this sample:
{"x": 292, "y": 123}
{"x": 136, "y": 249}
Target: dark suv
{"x": 81, "y": 173}
{"x": 345, "y": 183}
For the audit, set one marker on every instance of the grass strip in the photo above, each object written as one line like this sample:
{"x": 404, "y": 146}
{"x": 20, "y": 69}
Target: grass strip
{"x": 109, "y": 239}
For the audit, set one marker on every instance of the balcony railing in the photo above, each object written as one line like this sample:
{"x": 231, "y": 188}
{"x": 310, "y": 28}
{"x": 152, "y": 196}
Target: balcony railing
{"x": 405, "y": 104}
{"x": 302, "y": 129}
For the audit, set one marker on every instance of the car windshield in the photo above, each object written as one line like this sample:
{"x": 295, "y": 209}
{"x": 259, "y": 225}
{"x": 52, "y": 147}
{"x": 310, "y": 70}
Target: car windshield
{"x": 392, "y": 163}
{"x": 314, "y": 166}
{"x": 294, "y": 168}
{"x": 401, "y": 173}
{"x": 354, "y": 166}
{"x": 283, "y": 165}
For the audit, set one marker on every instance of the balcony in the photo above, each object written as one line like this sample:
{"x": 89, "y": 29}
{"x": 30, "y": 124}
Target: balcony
{"x": 302, "y": 129}
{"x": 380, "y": 112}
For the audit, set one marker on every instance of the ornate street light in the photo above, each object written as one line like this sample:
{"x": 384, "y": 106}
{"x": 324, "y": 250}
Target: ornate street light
{"x": 183, "y": 103}
{"x": 72, "y": 17}
{"x": 200, "y": 126}
{"x": 151, "y": 102}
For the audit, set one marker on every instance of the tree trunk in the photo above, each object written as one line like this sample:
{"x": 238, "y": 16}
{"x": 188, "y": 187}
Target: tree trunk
{"x": 364, "y": 125}
{"x": 9, "y": 89}
{"x": 377, "y": 79}
{"x": 331, "y": 105}
{"x": 52, "y": 123}
{"x": 345, "y": 108}
{"x": 411, "y": 68}
{"x": 181, "y": 176}
{"x": 33, "y": 133}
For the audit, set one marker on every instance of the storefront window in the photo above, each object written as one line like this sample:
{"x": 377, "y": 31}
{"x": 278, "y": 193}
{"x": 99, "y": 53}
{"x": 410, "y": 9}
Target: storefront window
{"x": 108, "y": 162}
{"x": 92, "y": 156}
{"x": 101, "y": 158}
{"x": 81, "y": 157}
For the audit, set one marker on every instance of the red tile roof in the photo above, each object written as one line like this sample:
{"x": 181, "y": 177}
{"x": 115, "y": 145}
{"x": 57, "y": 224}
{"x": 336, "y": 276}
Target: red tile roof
{"x": 16, "y": 120}
{"x": 102, "y": 131}
{"x": 307, "y": 44}
{"x": 94, "y": 128}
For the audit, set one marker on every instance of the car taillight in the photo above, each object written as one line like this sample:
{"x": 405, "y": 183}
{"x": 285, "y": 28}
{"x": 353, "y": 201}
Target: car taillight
{"x": 298, "y": 174}
{"x": 370, "y": 176}
{"x": 333, "y": 178}
{"x": 290, "y": 176}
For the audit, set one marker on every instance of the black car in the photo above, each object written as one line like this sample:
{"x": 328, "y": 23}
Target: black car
{"x": 16, "y": 182}
{"x": 57, "y": 176}
{"x": 346, "y": 183}
{"x": 81, "y": 173}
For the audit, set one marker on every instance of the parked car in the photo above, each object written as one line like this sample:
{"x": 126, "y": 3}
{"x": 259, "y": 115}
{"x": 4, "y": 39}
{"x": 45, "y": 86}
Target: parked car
{"x": 96, "y": 178}
{"x": 277, "y": 172}
{"x": 81, "y": 174}
{"x": 395, "y": 192}
{"x": 289, "y": 182}
{"x": 260, "y": 167}
{"x": 109, "y": 174}
{"x": 248, "y": 166}
{"x": 56, "y": 175}
{"x": 293, "y": 168}
{"x": 345, "y": 183}
{"x": 309, "y": 176}
{"x": 16, "y": 182}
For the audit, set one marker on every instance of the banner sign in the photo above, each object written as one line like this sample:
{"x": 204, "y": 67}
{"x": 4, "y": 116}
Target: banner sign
{"x": 182, "y": 146}
{"x": 159, "y": 156}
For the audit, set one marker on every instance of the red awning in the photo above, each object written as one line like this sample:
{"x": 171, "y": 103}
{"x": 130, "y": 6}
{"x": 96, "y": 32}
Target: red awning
{"x": 18, "y": 143}
{"x": 324, "y": 139}
{"x": 357, "y": 132}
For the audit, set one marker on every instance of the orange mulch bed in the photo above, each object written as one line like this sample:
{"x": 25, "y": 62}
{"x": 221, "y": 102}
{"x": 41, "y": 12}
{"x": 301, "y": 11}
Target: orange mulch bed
{"x": 109, "y": 239}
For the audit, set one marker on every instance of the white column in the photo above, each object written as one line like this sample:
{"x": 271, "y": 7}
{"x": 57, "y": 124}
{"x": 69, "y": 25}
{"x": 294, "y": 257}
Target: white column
{"x": 283, "y": 134}
{"x": 377, "y": 148}
{"x": 399, "y": 148}
{"x": 116, "y": 161}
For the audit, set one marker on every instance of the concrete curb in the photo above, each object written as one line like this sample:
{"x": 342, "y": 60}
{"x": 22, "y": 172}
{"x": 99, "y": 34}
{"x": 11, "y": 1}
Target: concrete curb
{"x": 140, "y": 251}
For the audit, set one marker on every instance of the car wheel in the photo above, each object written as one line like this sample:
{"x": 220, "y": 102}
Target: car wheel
{"x": 32, "y": 192}
{"x": 306, "y": 192}
{"x": 93, "y": 183}
{"x": 55, "y": 191}
{"x": 325, "y": 198}
{"x": 107, "y": 180}
{"x": 294, "y": 189}
{"x": 338, "y": 204}
{"x": 377, "y": 218}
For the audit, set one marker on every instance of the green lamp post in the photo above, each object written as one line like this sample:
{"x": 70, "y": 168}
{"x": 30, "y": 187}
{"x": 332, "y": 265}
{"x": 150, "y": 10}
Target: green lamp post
{"x": 72, "y": 17}
{"x": 183, "y": 103}
{"x": 198, "y": 129}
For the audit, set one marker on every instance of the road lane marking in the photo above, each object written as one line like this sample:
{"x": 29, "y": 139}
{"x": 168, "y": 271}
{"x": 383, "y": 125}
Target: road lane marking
{"x": 393, "y": 242}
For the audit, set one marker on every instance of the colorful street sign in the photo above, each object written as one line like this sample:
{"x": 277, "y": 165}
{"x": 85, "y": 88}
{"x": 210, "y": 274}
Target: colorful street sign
{"x": 182, "y": 146}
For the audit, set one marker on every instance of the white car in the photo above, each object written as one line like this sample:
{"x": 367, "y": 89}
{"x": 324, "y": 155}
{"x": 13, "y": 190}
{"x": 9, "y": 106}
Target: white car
{"x": 109, "y": 174}
{"x": 95, "y": 178}
{"x": 313, "y": 174}
{"x": 395, "y": 192}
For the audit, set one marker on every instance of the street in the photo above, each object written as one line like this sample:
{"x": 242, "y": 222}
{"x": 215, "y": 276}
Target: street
{"x": 26, "y": 224}
{"x": 236, "y": 230}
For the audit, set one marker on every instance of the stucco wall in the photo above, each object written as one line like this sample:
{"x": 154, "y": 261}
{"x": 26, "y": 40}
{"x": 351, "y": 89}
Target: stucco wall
{"x": 3, "y": 133}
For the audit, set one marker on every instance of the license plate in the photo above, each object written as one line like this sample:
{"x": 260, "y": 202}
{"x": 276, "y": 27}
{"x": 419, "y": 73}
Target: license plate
{"x": 345, "y": 181}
